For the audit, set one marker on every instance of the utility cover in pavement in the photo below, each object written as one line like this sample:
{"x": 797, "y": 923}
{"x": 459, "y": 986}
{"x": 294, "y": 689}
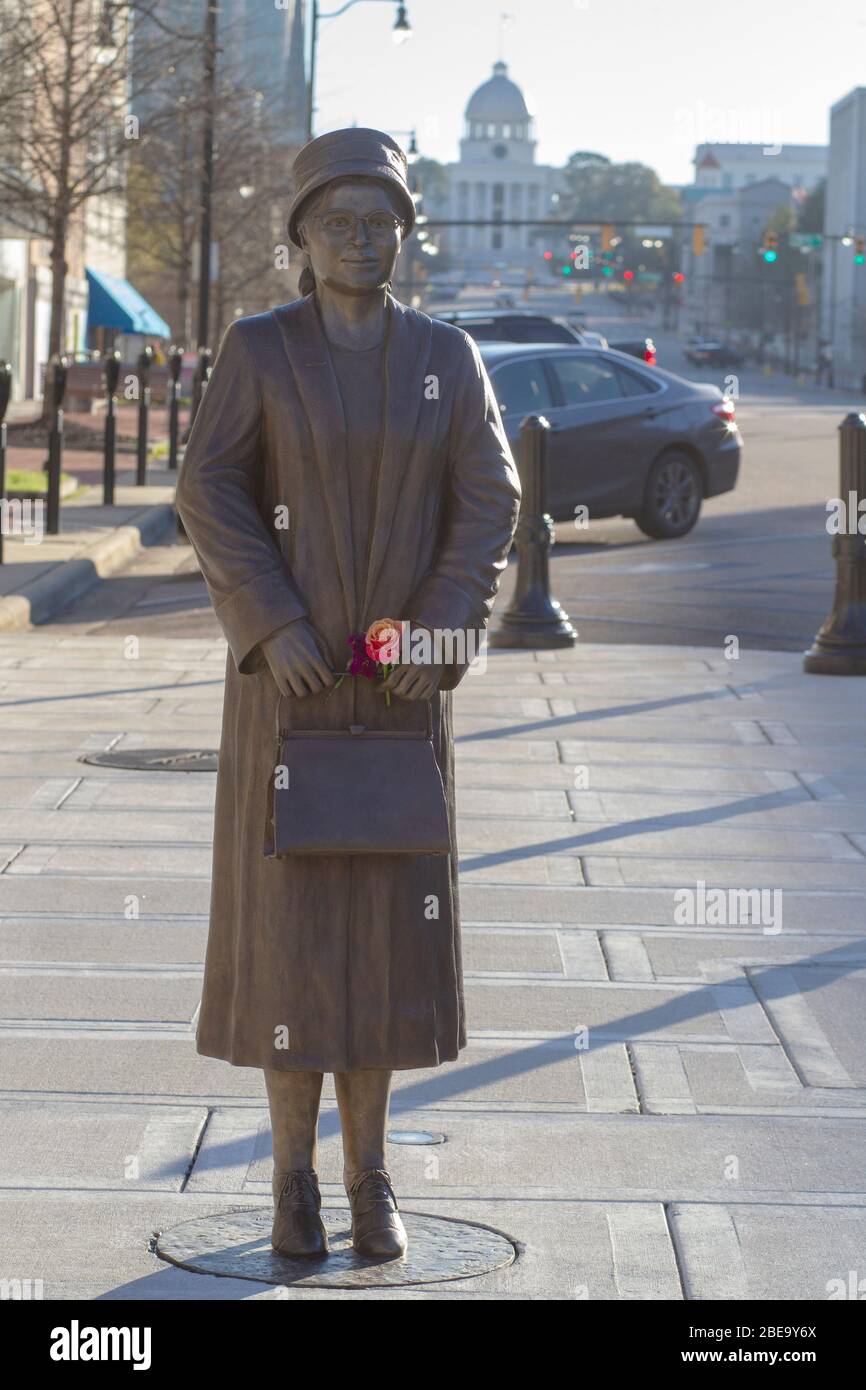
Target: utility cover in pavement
{"x": 157, "y": 759}
{"x": 237, "y": 1244}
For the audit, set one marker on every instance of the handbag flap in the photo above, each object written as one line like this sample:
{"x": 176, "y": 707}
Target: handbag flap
{"x": 364, "y": 792}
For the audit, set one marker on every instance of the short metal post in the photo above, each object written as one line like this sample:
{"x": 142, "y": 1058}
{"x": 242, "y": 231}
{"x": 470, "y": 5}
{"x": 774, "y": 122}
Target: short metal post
{"x": 5, "y": 393}
{"x": 58, "y": 367}
{"x": 840, "y": 646}
{"x": 111, "y": 371}
{"x": 533, "y": 618}
{"x": 145, "y": 359}
{"x": 175, "y": 364}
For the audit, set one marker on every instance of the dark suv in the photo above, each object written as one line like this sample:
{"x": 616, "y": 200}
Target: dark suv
{"x": 510, "y": 326}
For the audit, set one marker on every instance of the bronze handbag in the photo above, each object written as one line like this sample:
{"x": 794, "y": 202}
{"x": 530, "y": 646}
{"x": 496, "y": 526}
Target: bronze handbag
{"x": 357, "y": 791}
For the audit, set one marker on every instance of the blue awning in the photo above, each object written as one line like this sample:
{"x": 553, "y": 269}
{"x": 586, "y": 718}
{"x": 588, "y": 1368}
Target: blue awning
{"x": 113, "y": 303}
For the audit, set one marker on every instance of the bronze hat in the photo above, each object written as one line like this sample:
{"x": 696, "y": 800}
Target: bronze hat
{"x": 342, "y": 153}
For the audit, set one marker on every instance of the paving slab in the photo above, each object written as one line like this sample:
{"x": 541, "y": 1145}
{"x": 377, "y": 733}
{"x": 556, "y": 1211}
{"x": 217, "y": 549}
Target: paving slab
{"x": 82, "y": 941}
{"x": 87, "y": 1146}
{"x": 101, "y": 993}
{"x": 766, "y": 1252}
{"x": 592, "y": 1157}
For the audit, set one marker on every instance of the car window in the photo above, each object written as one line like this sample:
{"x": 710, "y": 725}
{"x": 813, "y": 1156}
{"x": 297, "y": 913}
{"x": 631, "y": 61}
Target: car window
{"x": 483, "y": 331}
{"x": 521, "y": 387}
{"x": 536, "y": 331}
{"x": 635, "y": 383}
{"x": 587, "y": 379}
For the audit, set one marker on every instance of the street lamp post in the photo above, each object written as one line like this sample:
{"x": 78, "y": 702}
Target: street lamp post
{"x": 206, "y": 204}
{"x": 402, "y": 30}
{"x": 412, "y": 153}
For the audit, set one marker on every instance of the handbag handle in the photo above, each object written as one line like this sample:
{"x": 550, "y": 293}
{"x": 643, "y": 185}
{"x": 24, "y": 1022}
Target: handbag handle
{"x": 352, "y": 727}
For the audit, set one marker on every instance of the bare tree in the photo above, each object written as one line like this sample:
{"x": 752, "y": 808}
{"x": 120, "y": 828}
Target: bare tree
{"x": 65, "y": 119}
{"x": 250, "y": 194}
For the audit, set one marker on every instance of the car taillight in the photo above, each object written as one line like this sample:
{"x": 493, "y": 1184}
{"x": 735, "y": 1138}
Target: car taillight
{"x": 724, "y": 409}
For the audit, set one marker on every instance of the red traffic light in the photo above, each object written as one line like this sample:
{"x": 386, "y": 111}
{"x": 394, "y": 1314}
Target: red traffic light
{"x": 548, "y": 255}
{"x": 679, "y": 277}
{"x": 628, "y": 275}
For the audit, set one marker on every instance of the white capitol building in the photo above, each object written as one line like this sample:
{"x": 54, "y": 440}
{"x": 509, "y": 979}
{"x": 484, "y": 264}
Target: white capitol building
{"x": 496, "y": 177}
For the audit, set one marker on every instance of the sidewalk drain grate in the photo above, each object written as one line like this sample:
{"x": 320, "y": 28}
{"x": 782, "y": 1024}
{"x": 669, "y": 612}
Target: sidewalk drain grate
{"x": 237, "y": 1244}
{"x": 156, "y": 759}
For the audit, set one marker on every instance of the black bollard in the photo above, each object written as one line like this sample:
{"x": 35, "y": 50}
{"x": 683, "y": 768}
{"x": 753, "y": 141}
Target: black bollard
{"x": 5, "y": 393}
{"x": 840, "y": 646}
{"x": 145, "y": 359}
{"x": 201, "y": 377}
{"x": 533, "y": 618}
{"x": 175, "y": 363}
{"x": 111, "y": 374}
{"x": 58, "y": 367}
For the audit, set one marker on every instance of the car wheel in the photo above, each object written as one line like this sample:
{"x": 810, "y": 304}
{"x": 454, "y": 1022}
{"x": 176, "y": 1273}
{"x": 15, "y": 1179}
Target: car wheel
{"x": 672, "y": 501}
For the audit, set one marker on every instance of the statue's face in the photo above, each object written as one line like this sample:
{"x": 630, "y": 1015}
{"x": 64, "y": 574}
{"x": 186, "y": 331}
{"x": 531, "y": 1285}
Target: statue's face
{"x": 347, "y": 255}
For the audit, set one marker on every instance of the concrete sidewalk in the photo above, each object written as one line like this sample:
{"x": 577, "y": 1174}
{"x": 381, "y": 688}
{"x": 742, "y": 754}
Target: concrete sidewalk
{"x": 41, "y": 574}
{"x": 661, "y": 1098}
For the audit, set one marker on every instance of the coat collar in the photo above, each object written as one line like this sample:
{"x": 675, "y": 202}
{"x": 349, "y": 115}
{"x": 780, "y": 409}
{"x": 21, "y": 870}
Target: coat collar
{"x": 406, "y": 361}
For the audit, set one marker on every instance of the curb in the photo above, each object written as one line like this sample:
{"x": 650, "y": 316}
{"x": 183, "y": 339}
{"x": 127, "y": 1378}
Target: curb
{"x": 70, "y": 579}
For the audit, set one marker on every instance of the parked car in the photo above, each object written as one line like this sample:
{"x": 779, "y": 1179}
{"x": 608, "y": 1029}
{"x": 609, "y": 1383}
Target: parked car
{"x": 707, "y": 353}
{"x": 643, "y": 348}
{"x": 625, "y": 440}
{"x": 590, "y": 338}
{"x": 510, "y": 326}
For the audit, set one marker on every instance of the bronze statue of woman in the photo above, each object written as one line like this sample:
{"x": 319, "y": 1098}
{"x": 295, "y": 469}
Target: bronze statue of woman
{"x": 347, "y": 464}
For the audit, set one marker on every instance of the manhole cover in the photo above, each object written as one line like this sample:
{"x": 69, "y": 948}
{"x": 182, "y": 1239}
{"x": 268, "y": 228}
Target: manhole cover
{"x": 237, "y": 1245}
{"x": 157, "y": 759}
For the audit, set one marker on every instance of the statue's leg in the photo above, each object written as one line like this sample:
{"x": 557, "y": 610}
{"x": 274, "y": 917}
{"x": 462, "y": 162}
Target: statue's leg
{"x": 363, "y": 1096}
{"x": 293, "y": 1100}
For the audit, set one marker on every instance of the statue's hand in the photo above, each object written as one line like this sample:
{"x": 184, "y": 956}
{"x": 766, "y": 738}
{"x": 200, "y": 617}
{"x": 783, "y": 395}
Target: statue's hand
{"x": 296, "y": 656}
{"x": 413, "y": 681}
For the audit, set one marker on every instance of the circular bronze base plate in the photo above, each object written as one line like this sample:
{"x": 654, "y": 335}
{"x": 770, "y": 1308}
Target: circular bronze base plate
{"x": 236, "y": 1244}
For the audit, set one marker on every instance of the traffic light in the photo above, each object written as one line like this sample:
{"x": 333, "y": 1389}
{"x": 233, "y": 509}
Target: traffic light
{"x": 770, "y": 248}
{"x": 628, "y": 275}
{"x": 548, "y": 255}
{"x": 678, "y": 277}
{"x": 699, "y": 241}
{"x": 566, "y": 269}
{"x": 859, "y": 250}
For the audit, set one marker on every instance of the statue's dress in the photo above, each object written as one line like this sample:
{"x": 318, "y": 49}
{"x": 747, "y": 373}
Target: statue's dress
{"x": 338, "y": 962}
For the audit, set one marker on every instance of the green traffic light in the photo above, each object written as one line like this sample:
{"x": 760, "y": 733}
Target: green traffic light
{"x": 607, "y": 270}
{"x": 566, "y": 270}
{"x": 770, "y": 256}
{"x": 858, "y": 260}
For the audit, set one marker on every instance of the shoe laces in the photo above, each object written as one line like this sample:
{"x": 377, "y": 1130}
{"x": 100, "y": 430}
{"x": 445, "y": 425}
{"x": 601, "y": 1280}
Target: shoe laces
{"x": 301, "y": 1183}
{"x": 376, "y": 1185}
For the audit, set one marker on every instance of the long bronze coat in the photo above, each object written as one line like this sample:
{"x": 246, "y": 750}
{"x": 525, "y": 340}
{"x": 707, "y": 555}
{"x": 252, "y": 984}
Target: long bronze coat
{"x": 339, "y": 962}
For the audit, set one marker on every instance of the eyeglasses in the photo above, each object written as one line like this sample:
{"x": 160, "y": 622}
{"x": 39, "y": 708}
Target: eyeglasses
{"x": 341, "y": 223}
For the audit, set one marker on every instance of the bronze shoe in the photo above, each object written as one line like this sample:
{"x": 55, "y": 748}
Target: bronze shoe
{"x": 377, "y": 1231}
{"x": 298, "y": 1228}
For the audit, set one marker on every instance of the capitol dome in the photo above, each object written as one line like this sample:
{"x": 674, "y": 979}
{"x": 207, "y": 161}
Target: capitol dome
{"x": 497, "y": 99}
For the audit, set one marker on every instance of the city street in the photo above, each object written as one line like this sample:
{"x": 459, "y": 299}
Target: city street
{"x": 758, "y": 564}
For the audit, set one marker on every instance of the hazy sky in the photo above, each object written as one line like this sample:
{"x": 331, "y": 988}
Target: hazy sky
{"x": 639, "y": 79}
